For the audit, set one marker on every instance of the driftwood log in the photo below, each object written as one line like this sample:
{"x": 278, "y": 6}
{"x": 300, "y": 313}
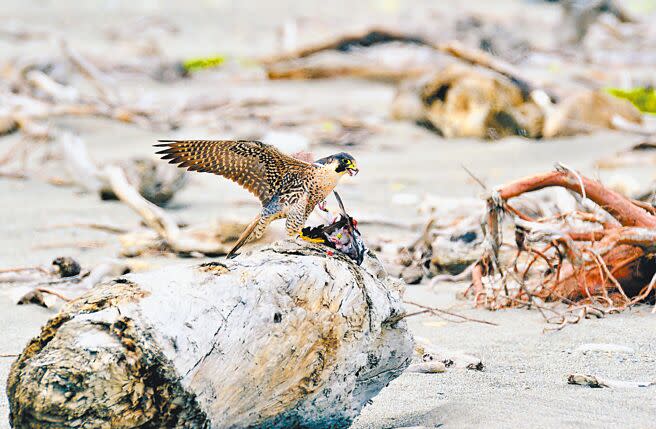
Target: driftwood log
{"x": 282, "y": 337}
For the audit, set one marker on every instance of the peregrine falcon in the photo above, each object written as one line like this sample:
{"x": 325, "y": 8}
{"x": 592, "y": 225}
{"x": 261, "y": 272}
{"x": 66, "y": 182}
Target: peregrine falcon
{"x": 287, "y": 187}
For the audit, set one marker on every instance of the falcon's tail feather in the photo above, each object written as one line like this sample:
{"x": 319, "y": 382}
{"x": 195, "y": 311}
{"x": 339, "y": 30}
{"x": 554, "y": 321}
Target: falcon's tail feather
{"x": 245, "y": 237}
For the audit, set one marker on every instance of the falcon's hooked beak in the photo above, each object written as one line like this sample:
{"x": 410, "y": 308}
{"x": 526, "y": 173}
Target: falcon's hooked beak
{"x": 352, "y": 168}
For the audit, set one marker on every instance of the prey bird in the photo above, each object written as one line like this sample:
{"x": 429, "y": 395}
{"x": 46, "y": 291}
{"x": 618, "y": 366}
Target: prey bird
{"x": 287, "y": 187}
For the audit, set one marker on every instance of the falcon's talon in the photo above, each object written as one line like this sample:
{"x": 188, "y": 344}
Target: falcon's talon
{"x": 310, "y": 239}
{"x": 287, "y": 187}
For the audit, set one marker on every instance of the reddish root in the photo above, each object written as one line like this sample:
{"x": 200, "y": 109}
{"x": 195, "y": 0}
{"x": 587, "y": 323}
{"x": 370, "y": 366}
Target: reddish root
{"x": 613, "y": 267}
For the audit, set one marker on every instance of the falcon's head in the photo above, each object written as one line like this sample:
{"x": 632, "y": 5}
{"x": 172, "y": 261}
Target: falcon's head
{"x": 341, "y": 163}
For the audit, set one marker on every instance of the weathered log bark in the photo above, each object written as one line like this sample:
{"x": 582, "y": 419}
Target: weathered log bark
{"x": 281, "y": 337}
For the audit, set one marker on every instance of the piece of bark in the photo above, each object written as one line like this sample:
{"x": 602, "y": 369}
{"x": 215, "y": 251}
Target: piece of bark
{"x": 33, "y": 297}
{"x": 281, "y": 337}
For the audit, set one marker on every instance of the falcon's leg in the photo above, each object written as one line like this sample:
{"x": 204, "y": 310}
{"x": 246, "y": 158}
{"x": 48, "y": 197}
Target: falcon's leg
{"x": 256, "y": 228}
{"x": 296, "y": 218}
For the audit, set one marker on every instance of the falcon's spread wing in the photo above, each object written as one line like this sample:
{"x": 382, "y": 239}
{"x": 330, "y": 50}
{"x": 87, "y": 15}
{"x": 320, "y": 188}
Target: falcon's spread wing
{"x": 256, "y": 166}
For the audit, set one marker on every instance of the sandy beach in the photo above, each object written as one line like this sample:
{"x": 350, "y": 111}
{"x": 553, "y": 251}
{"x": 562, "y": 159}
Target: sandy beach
{"x": 524, "y": 380}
